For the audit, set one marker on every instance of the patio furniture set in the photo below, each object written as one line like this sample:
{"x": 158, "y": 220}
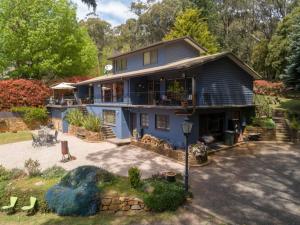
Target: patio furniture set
{"x": 44, "y": 137}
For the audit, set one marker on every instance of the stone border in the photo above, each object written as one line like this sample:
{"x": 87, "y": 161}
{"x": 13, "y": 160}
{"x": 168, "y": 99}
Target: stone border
{"x": 120, "y": 204}
{"x": 89, "y": 135}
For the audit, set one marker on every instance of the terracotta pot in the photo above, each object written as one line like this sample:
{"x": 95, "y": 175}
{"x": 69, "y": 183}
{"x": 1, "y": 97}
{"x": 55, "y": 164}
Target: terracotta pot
{"x": 184, "y": 104}
{"x": 170, "y": 176}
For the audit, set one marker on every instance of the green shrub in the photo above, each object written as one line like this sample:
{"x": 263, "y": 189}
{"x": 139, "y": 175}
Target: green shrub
{"x": 32, "y": 114}
{"x": 166, "y": 196}
{"x": 32, "y": 167}
{"x": 267, "y": 123}
{"x": 75, "y": 117}
{"x": 4, "y": 174}
{"x": 17, "y": 173}
{"x": 92, "y": 123}
{"x": 294, "y": 123}
{"x": 54, "y": 172}
{"x": 134, "y": 176}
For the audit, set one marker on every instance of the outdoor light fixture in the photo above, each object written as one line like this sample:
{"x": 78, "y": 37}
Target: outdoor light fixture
{"x": 187, "y": 126}
{"x": 186, "y": 129}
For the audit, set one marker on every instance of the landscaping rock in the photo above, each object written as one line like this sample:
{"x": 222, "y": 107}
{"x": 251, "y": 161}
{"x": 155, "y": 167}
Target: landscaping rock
{"x": 106, "y": 201}
{"x": 122, "y": 205}
{"x": 136, "y": 207}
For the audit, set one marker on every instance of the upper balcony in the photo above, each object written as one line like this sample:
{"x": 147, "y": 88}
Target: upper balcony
{"x": 175, "y": 99}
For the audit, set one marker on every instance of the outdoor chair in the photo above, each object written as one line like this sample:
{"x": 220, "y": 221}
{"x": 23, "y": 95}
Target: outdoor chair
{"x": 11, "y": 208}
{"x": 36, "y": 142}
{"x": 52, "y": 139}
{"x": 30, "y": 208}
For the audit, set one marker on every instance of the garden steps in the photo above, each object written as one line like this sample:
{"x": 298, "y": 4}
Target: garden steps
{"x": 282, "y": 132}
{"x": 84, "y": 110}
{"x": 108, "y": 132}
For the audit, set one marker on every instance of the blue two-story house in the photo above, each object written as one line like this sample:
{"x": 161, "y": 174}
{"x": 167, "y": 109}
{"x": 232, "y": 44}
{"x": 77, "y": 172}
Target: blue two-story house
{"x": 151, "y": 90}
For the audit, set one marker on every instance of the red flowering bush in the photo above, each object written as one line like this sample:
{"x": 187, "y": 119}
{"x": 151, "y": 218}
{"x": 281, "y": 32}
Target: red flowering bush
{"x": 22, "y": 93}
{"x": 263, "y": 87}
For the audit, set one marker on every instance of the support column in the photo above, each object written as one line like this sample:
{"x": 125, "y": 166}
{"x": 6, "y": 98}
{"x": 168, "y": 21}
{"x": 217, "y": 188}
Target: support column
{"x": 194, "y": 94}
{"x": 114, "y": 92}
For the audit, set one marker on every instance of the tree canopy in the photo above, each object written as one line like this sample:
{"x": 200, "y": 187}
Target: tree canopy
{"x": 43, "y": 40}
{"x": 292, "y": 72}
{"x": 191, "y": 23}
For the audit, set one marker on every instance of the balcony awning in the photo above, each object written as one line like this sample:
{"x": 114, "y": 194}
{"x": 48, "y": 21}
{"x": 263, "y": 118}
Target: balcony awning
{"x": 63, "y": 86}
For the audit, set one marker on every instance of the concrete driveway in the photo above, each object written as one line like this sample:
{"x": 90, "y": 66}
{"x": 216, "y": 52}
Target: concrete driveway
{"x": 260, "y": 185}
{"x": 105, "y": 155}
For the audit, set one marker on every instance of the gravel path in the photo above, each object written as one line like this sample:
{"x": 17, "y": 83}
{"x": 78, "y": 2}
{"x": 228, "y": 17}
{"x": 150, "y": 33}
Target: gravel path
{"x": 106, "y": 155}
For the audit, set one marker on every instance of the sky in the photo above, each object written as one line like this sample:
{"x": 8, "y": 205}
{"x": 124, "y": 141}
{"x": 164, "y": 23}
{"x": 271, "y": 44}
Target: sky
{"x": 113, "y": 11}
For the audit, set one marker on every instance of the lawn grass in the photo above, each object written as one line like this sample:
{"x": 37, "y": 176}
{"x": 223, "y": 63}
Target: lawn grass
{"x": 103, "y": 219}
{"x": 34, "y": 183}
{"x": 10, "y": 137}
{"x": 120, "y": 185}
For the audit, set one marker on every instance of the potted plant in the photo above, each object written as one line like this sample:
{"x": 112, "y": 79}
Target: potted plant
{"x": 177, "y": 90}
{"x": 171, "y": 176}
{"x": 135, "y": 134}
{"x": 199, "y": 150}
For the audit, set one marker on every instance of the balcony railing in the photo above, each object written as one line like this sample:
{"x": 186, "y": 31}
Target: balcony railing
{"x": 69, "y": 101}
{"x": 177, "y": 99}
{"x": 163, "y": 99}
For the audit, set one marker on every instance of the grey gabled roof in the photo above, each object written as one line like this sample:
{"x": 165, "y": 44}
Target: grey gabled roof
{"x": 178, "y": 65}
{"x": 187, "y": 39}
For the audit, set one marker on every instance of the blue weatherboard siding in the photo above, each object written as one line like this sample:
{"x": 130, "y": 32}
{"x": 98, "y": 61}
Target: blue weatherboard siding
{"x": 174, "y": 135}
{"x": 225, "y": 83}
{"x": 121, "y": 128}
{"x": 166, "y": 54}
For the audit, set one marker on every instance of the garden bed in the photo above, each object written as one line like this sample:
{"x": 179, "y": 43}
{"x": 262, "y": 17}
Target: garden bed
{"x": 85, "y": 134}
{"x": 13, "y": 122}
{"x": 265, "y": 133}
{"x": 118, "y": 195}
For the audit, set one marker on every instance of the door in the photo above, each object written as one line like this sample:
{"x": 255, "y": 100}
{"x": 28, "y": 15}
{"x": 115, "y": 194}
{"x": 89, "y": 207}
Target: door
{"x": 133, "y": 123}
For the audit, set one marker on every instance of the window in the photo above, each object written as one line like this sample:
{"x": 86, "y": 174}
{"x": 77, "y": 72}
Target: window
{"x": 121, "y": 64}
{"x": 150, "y": 57}
{"x": 162, "y": 122}
{"x": 144, "y": 120}
{"x": 109, "y": 116}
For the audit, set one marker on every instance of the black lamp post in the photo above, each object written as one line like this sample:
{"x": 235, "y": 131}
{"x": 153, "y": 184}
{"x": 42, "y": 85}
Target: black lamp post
{"x": 187, "y": 129}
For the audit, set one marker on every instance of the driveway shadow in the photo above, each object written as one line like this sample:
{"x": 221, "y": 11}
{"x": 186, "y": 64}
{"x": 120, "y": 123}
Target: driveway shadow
{"x": 120, "y": 159}
{"x": 251, "y": 186}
